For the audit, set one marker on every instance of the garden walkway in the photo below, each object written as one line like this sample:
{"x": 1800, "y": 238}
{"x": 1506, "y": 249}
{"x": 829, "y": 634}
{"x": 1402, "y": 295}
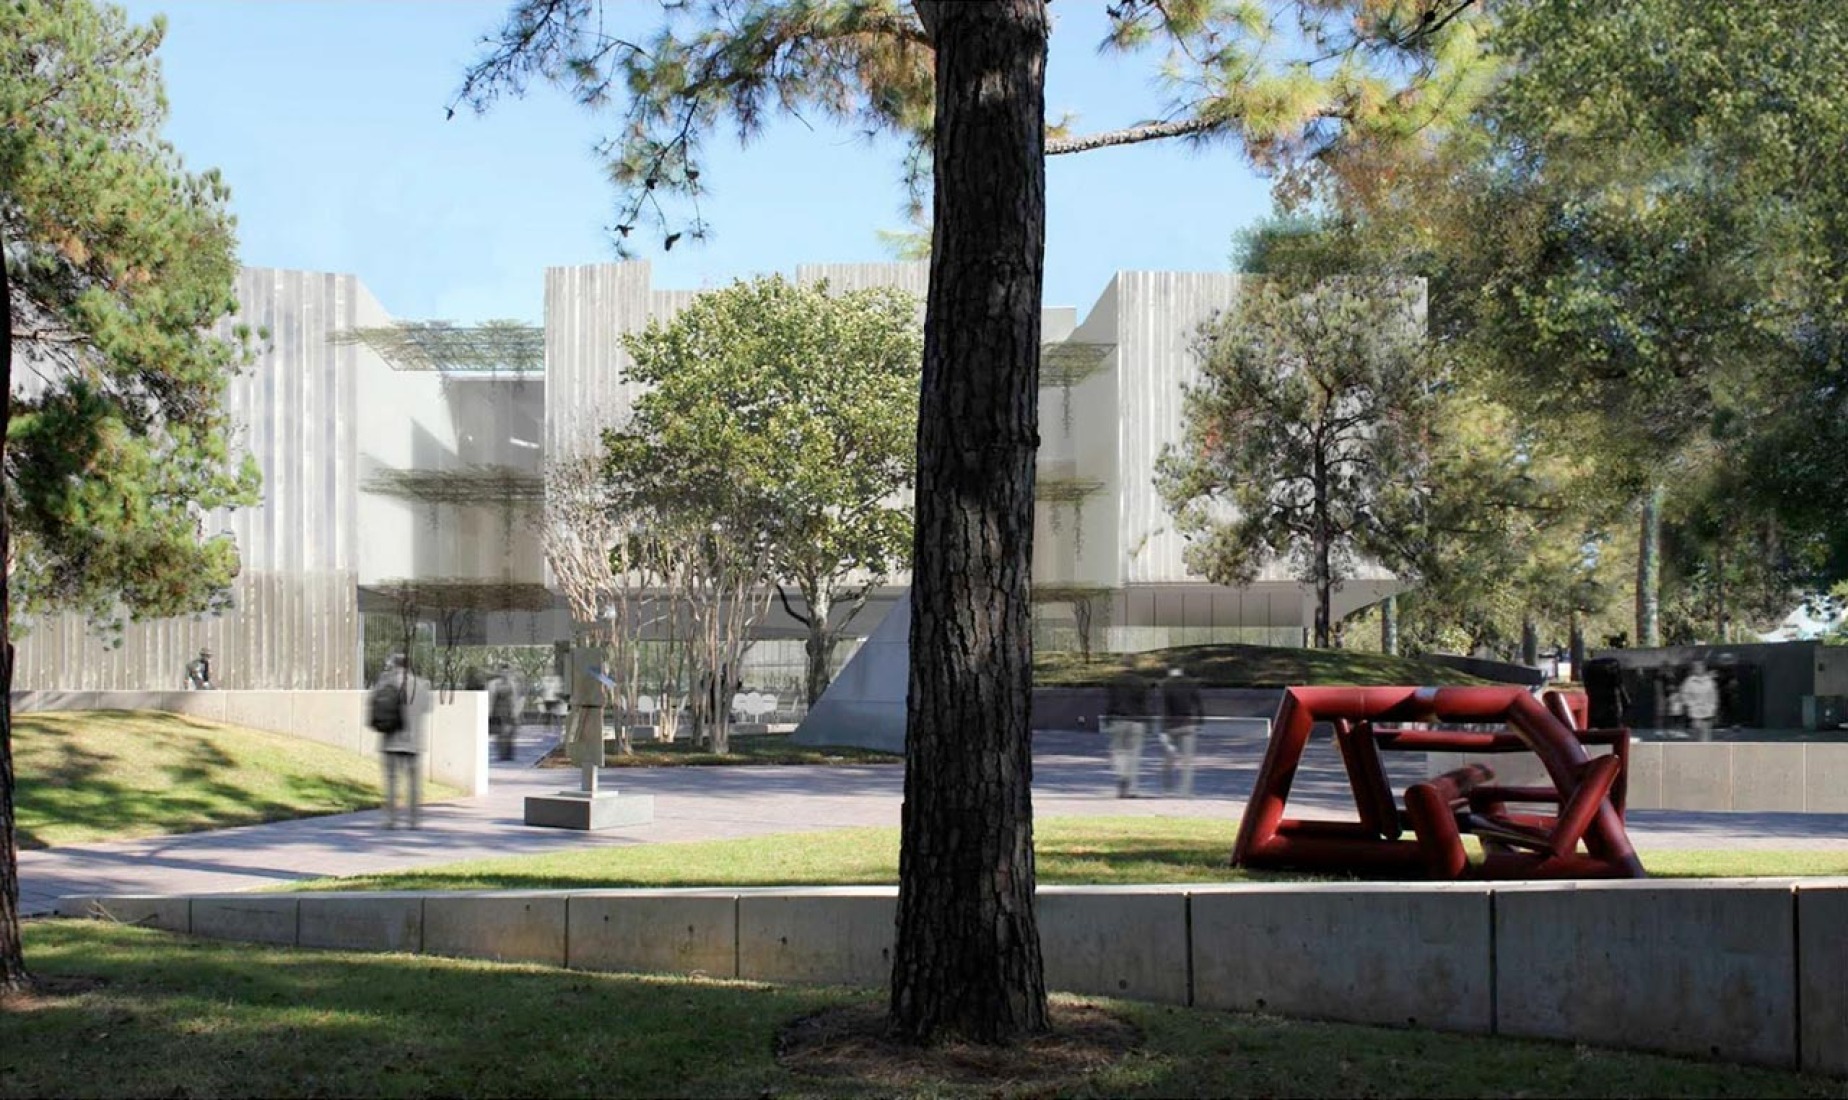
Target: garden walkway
{"x": 1071, "y": 778}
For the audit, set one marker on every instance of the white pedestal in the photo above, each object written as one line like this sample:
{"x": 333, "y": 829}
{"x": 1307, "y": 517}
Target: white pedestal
{"x": 584, "y": 810}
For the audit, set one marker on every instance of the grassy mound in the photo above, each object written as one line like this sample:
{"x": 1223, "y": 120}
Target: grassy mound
{"x": 86, "y": 776}
{"x": 1247, "y": 666}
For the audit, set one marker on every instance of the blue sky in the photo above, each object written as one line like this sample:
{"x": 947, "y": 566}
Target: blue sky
{"x": 327, "y": 119}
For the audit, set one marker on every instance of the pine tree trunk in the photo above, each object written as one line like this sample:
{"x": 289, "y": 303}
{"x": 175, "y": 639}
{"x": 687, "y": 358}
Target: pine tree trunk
{"x": 1719, "y": 597}
{"x": 1575, "y": 649}
{"x": 1530, "y": 641}
{"x": 1324, "y": 598}
{"x": 1321, "y": 550}
{"x": 1389, "y": 626}
{"x": 13, "y": 976}
{"x": 1649, "y": 571}
{"x": 967, "y": 957}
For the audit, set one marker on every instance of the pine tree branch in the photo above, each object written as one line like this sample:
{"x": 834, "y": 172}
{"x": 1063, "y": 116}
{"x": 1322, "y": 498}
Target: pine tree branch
{"x": 1131, "y": 135}
{"x": 48, "y": 336}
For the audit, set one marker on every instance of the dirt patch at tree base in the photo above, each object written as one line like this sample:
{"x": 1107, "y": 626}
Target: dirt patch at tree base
{"x": 850, "y": 1045}
{"x": 46, "y": 993}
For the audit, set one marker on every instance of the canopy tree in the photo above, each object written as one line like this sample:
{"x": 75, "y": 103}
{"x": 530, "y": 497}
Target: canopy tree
{"x": 962, "y": 85}
{"x": 688, "y": 465}
{"x": 1645, "y": 237}
{"x": 1313, "y": 411}
{"x": 827, "y": 384}
{"x": 119, "y": 270}
{"x": 1498, "y": 536}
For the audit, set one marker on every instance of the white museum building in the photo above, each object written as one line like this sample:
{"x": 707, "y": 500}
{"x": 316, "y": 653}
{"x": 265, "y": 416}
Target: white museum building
{"x": 415, "y": 458}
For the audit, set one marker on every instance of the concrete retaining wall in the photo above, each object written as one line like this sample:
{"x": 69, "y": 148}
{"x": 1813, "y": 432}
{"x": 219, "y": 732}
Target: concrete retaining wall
{"x": 455, "y": 733}
{"x": 1742, "y": 776}
{"x": 1745, "y": 970}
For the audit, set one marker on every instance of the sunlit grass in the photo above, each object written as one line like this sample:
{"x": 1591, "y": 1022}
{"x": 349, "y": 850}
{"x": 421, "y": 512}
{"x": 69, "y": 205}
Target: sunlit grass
{"x": 166, "y": 1015}
{"x": 85, "y": 776}
{"x": 1075, "y": 851}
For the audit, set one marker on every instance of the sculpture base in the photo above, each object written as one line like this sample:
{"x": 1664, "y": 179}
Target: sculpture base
{"x": 581, "y": 810}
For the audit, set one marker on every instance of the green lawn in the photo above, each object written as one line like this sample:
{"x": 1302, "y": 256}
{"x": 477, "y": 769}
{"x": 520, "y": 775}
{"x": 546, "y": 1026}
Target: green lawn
{"x": 1246, "y": 666}
{"x": 171, "y": 1016}
{"x": 88, "y": 776}
{"x": 1068, "y": 851}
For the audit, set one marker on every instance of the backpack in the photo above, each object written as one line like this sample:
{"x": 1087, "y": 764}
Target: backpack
{"x": 385, "y": 708}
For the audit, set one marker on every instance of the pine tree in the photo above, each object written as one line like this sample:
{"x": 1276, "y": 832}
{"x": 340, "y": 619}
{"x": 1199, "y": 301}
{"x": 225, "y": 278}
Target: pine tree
{"x": 119, "y": 270}
{"x": 963, "y": 85}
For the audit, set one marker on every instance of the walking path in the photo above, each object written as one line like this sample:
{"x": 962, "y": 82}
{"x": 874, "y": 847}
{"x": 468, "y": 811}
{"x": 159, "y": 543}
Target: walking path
{"x": 1071, "y": 778}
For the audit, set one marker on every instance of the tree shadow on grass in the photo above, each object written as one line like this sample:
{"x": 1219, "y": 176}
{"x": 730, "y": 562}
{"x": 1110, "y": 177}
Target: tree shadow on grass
{"x": 183, "y": 1017}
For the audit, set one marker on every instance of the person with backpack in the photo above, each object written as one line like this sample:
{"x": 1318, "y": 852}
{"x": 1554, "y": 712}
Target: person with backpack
{"x": 392, "y": 709}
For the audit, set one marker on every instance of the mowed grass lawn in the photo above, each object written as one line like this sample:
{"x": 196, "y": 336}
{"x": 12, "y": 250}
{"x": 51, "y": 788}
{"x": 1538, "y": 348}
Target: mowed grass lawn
{"x": 86, "y": 776}
{"x": 1068, "y": 851}
{"x": 141, "y": 1013}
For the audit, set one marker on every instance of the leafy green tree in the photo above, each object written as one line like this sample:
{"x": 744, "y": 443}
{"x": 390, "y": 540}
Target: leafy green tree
{"x": 1313, "y": 411}
{"x": 963, "y": 86}
{"x": 1645, "y": 236}
{"x": 118, "y": 272}
{"x": 831, "y": 383}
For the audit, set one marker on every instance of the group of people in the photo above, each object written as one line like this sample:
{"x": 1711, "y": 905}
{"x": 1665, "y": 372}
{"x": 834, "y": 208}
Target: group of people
{"x": 1130, "y": 708}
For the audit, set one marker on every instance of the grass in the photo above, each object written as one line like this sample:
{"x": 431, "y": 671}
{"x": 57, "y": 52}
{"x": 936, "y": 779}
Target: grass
{"x": 87, "y": 776}
{"x": 1246, "y": 666}
{"x": 1068, "y": 851}
{"x": 746, "y": 748}
{"x": 170, "y": 1016}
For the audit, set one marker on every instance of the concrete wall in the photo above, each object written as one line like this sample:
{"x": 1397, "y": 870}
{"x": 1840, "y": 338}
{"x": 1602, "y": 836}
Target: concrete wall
{"x": 1713, "y": 776}
{"x": 455, "y": 733}
{"x": 297, "y": 413}
{"x": 1741, "y": 969}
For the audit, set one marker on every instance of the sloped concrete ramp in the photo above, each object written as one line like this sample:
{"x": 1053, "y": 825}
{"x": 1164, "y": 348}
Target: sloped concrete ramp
{"x": 865, "y": 705}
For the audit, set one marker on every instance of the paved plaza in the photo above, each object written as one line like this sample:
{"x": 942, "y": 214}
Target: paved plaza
{"x": 1071, "y": 778}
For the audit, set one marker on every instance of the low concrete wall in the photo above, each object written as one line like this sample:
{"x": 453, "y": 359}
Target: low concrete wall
{"x": 1679, "y": 967}
{"x": 1741, "y": 969}
{"x": 455, "y": 733}
{"x": 1388, "y": 953}
{"x": 1711, "y": 776}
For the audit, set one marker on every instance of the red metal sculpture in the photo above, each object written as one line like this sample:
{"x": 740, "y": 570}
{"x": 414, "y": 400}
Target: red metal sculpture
{"x": 1587, "y": 793}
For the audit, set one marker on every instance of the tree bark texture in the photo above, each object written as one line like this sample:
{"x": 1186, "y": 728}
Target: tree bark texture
{"x": 1389, "y": 626}
{"x": 1322, "y": 539}
{"x": 820, "y": 641}
{"x": 13, "y": 975}
{"x": 1530, "y": 641}
{"x": 1649, "y": 571}
{"x": 967, "y": 958}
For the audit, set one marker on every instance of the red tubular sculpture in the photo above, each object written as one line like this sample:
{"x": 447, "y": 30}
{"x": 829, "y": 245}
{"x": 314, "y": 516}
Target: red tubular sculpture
{"x": 1588, "y": 792}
